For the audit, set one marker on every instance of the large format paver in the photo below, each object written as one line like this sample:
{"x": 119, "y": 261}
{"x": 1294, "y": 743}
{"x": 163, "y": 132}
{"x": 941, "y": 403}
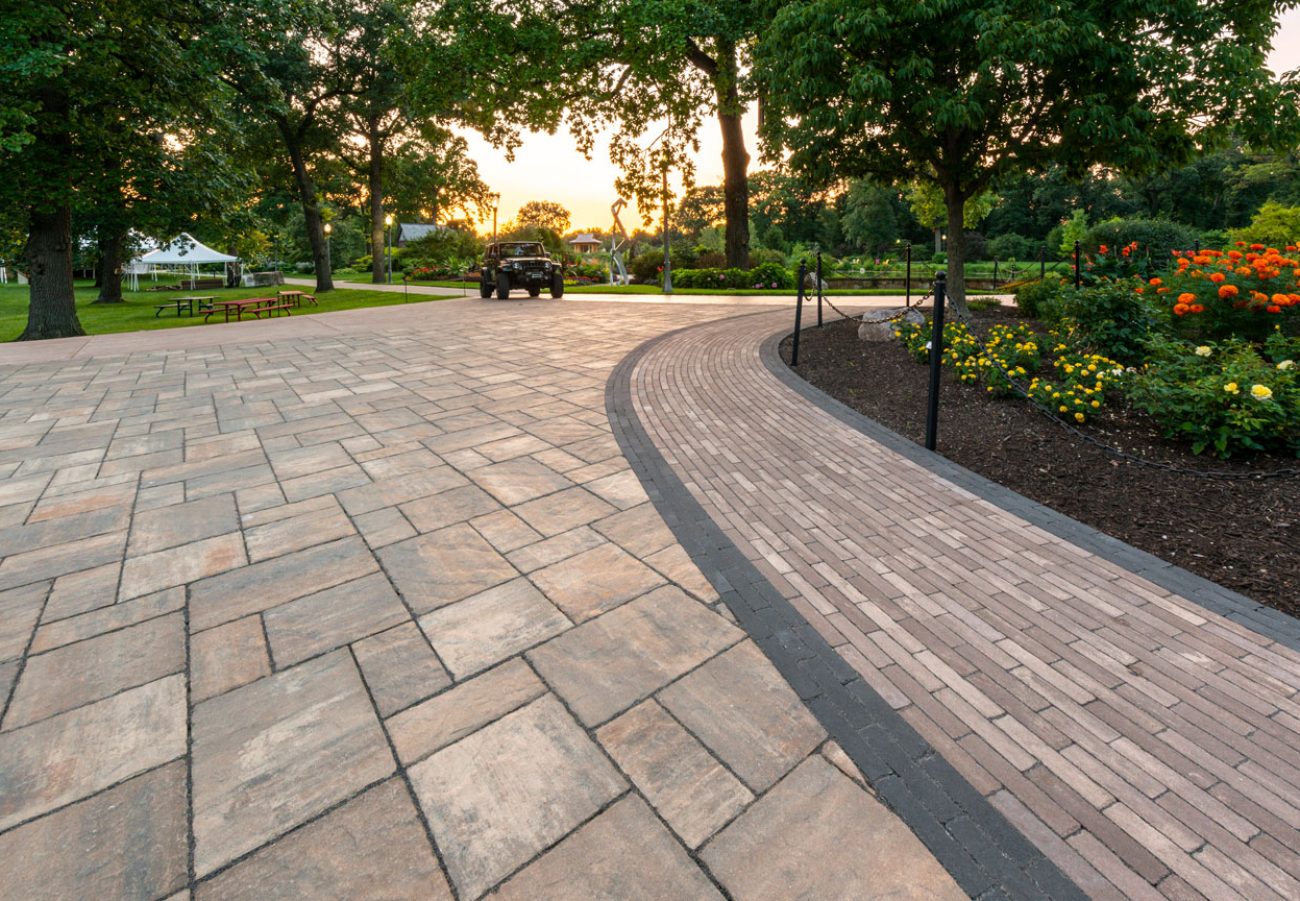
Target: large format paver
{"x": 1143, "y": 742}
{"x": 366, "y": 604}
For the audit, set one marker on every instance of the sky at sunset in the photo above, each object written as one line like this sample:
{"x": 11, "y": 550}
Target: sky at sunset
{"x": 548, "y": 168}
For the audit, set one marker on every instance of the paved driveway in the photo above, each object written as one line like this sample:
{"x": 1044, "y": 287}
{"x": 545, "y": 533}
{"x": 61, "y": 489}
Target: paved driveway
{"x": 371, "y": 604}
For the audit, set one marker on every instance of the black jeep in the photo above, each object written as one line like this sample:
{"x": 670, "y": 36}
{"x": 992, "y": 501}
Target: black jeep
{"x": 519, "y": 264}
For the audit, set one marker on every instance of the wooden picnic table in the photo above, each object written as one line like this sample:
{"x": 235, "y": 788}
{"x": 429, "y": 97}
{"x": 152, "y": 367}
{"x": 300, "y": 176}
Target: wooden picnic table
{"x": 297, "y": 297}
{"x": 178, "y": 302}
{"x": 254, "y": 305}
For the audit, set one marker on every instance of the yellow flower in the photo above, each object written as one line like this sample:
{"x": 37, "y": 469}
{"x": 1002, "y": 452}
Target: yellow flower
{"x": 1231, "y": 387}
{"x": 1286, "y": 364}
{"x": 1079, "y": 417}
{"x": 1203, "y": 351}
{"x": 1063, "y": 408}
{"x": 1096, "y": 404}
{"x": 1261, "y": 392}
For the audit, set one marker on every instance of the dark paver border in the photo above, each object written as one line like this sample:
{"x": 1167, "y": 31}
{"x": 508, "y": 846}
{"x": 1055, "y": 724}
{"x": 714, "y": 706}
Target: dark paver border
{"x": 984, "y": 852}
{"x": 1259, "y": 618}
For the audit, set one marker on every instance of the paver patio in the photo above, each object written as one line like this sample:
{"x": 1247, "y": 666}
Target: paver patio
{"x": 550, "y": 600}
{"x": 370, "y": 604}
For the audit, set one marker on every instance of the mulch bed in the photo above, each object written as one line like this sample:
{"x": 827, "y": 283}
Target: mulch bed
{"x": 1244, "y": 535}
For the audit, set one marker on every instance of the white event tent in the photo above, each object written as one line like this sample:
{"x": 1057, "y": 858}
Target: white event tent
{"x": 185, "y": 253}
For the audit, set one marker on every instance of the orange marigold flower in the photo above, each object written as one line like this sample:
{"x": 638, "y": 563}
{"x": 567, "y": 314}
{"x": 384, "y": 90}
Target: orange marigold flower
{"x": 1103, "y": 248}
{"x": 1241, "y": 243}
{"x": 1162, "y": 290}
{"x": 1281, "y": 300}
{"x": 1257, "y": 247}
{"x": 1244, "y": 270}
{"x": 1180, "y": 309}
{"x": 1273, "y": 308}
{"x": 1186, "y": 297}
{"x": 1197, "y": 308}
{"x": 1226, "y": 291}
{"x": 1234, "y": 254}
{"x": 1155, "y": 281}
{"x": 1218, "y": 277}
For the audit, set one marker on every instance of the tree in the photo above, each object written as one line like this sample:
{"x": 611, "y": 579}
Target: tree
{"x": 545, "y": 214}
{"x": 870, "y": 222}
{"x": 928, "y": 206}
{"x": 905, "y": 91}
{"x": 1274, "y": 225}
{"x": 431, "y": 177}
{"x": 88, "y": 98}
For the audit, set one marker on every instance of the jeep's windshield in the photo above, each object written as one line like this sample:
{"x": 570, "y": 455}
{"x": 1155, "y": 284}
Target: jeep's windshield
{"x": 529, "y": 249}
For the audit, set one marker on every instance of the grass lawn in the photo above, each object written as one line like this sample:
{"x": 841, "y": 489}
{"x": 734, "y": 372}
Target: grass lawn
{"x": 740, "y": 292}
{"x": 138, "y": 311}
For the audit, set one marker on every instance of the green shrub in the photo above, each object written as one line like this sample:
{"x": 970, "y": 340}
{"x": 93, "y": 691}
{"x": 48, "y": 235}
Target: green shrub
{"x": 939, "y": 258}
{"x": 1224, "y": 397}
{"x": 771, "y": 275}
{"x": 1274, "y": 224}
{"x": 1010, "y": 248}
{"x": 1110, "y": 319}
{"x": 1037, "y": 299}
{"x": 1156, "y": 238}
{"x": 768, "y": 276}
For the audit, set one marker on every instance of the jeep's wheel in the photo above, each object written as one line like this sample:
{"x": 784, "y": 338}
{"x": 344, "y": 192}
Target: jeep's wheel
{"x": 484, "y": 288}
{"x": 534, "y": 292}
{"x": 503, "y": 286}
{"x": 557, "y": 285}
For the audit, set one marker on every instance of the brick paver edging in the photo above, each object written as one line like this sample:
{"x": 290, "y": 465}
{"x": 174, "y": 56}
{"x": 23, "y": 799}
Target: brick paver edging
{"x": 1229, "y": 604}
{"x": 988, "y": 857}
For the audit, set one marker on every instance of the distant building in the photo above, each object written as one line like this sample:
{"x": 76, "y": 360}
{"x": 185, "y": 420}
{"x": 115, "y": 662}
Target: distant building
{"x": 586, "y": 243}
{"x": 414, "y": 231}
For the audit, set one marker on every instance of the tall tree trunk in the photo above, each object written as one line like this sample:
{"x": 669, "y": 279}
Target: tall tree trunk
{"x": 52, "y": 309}
{"x": 375, "y": 183}
{"x": 110, "y": 269}
{"x": 938, "y": 240}
{"x": 735, "y": 159}
{"x": 310, "y": 209}
{"x": 956, "y": 204}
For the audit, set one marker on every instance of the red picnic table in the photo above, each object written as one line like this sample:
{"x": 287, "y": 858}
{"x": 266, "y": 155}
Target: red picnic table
{"x": 254, "y": 306}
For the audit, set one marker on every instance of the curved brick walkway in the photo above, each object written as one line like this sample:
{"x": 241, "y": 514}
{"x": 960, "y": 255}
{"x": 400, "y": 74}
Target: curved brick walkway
{"x": 370, "y": 604}
{"x": 1146, "y": 744}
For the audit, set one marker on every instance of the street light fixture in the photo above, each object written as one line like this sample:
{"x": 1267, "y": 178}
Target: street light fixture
{"x": 329, "y": 264}
{"x": 388, "y": 240}
{"x": 496, "y": 200}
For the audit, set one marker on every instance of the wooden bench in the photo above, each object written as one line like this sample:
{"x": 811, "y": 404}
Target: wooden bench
{"x": 268, "y": 308}
{"x": 255, "y": 306}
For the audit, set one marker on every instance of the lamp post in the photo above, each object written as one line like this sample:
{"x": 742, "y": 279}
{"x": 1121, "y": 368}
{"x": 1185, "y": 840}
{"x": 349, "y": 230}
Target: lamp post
{"x": 388, "y": 240}
{"x": 329, "y": 264}
{"x": 668, "y": 260}
{"x": 496, "y": 201}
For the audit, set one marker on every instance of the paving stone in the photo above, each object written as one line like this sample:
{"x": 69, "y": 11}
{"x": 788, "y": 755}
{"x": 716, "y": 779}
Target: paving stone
{"x": 20, "y": 608}
{"x": 742, "y": 709}
{"x": 692, "y": 791}
{"x": 88, "y": 670}
{"x": 552, "y": 550}
{"x": 104, "y": 497}
{"x": 332, "y": 618}
{"x": 505, "y": 531}
{"x": 331, "y": 481}
{"x": 128, "y": 842}
{"x": 622, "y": 489}
{"x": 509, "y": 448}
{"x": 372, "y": 847}
{"x": 517, "y": 481}
{"x": 398, "y": 465}
{"x": 604, "y": 666}
{"x": 448, "y": 508}
{"x": 168, "y": 527}
{"x": 477, "y": 632}
{"x": 106, "y": 619}
{"x": 399, "y": 668}
{"x": 503, "y": 794}
{"x": 46, "y": 764}
{"x": 61, "y": 559}
{"x": 595, "y": 581}
{"x": 227, "y": 657}
{"x": 677, "y": 565}
{"x": 270, "y": 583}
{"x": 278, "y": 751}
{"x": 639, "y": 531}
{"x": 381, "y": 528}
{"x": 443, "y": 567}
{"x": 284, "y": 536}
{"x": 304, "y": 461}
{"x": 79, "y": 592}
{"x": 450, "y": 716}
{"x": 818, "y": 814}
{"x": 8, "y": 673}
{"x": 624, "y": 853}
{"x": 159, "y": 496}
{"x": 181, "y": 565}
{"x": 563, "y": 511}
{"x": 400, "y": 489}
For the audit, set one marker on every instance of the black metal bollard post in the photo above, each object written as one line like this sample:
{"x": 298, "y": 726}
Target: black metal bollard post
{"x": 1078, "y": 251}
{"x": 1196, "y": 247}
{"x": 908, "y": 287}
{"x": 819, "y": 289}
{"x": 936, "y": 359}
{"x": 995, "y": 273}
{"x": 1042, "y": 262}
{"x": 798, "y": 314}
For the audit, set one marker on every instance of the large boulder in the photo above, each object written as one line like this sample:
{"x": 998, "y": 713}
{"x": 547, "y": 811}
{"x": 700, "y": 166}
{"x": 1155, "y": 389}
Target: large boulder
{"x": 878, "y": 325}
